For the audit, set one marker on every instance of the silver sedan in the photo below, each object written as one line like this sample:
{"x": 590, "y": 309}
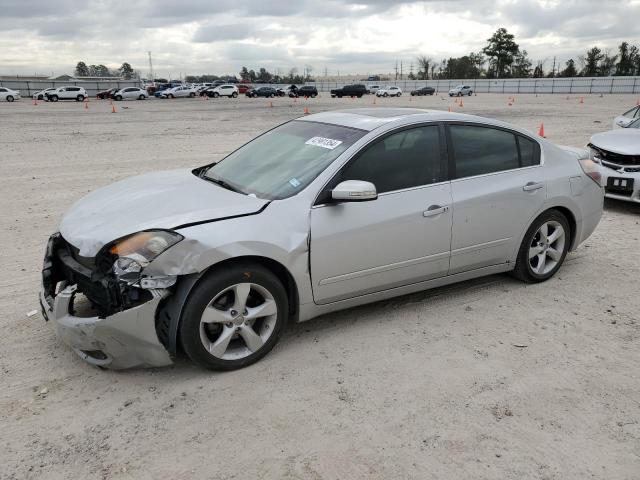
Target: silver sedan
{"x": 319, "y": 214}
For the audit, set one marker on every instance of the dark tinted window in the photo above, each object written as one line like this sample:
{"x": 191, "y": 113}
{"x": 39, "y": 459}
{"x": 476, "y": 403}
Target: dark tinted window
{"x": 529, "y": 152}
{"x": 409, "y": 158}
{"x": 73, "y": 89}
{"x": 479, "y": 150}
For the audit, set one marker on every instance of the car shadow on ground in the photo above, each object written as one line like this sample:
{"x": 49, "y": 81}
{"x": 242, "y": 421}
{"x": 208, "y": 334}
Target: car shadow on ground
{"x": 620, "y": 206}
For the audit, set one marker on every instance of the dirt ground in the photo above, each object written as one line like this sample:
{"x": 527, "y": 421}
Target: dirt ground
{"x": 430, "y": 385}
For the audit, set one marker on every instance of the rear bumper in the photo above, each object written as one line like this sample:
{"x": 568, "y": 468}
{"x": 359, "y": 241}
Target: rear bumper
{"x": 125, "y": 339}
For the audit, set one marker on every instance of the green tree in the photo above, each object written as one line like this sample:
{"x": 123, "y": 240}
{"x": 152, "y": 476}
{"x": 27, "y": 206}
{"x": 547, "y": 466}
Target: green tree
{"x": 501, "y": 50}
{"x": 570, "y": 69}
{"x": 607, "y": 65}
{"x": 538, "y": 71}
{"x": 627, "y": 55}
{"x": 591, "y": 62}
{"x": 521, "y": 65}
{"x": 244, "y": 74}
{"x": 82, "y": 70}
{"x": 423, "y": 67}
{"x": 126, "y": 71}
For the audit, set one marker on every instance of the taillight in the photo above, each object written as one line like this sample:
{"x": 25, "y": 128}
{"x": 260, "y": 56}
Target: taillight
{"x": 590, "y": 168}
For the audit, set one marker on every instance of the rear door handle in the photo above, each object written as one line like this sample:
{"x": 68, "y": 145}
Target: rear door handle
{"x": 434, "y": 210}
{"x": 530, "y": 186}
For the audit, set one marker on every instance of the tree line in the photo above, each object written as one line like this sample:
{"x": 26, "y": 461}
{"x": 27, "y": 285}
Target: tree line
{"x": 125, "y": 71}
{"x": 503, "y": 58}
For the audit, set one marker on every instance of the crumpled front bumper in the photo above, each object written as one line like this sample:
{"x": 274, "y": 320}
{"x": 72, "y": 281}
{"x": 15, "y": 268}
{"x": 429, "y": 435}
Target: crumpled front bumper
{"x": 125, "y": 339}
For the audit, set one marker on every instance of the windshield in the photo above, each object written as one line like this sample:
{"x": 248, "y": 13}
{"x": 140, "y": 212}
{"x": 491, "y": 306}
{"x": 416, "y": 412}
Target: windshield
{"x": 284, "y": 160}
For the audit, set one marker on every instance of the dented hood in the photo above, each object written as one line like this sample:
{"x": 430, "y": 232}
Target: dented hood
{"x": 156, "y": 200}
{"x": 625, "y": 141}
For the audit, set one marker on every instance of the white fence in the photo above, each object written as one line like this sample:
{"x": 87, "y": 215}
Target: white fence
{"x": 29, "y": 87}
{"x": 575, "y": 85}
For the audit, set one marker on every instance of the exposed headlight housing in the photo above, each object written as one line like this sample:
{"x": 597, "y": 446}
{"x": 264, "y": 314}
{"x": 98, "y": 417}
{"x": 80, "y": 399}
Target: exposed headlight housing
{"x": 136, "y": 251}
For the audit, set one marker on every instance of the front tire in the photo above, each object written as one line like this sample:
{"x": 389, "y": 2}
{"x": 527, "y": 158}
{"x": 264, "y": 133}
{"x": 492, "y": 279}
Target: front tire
{"x": 544, "y": 248}
{"x": 234, "y": 95}
{"x": 234, "y": 317}
{"x": 10, "y": 98}
{"x": 53, "y": 98}
{"x": 118, "y": 97}
{"x": 141, "y": 97}
{"x": 80, "y": 98}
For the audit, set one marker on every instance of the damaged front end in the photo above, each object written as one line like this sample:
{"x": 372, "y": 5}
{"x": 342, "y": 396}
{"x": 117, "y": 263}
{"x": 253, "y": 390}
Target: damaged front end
{"x": 105, "y": 307}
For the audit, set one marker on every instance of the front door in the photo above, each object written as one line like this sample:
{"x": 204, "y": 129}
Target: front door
{"x": 400, "y": 238}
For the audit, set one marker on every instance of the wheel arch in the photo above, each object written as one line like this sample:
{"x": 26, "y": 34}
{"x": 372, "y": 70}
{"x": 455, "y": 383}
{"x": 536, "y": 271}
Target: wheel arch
{"x": 169, "y": 314}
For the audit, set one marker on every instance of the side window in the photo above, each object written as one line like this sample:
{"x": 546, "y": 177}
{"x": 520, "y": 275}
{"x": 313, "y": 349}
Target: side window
{"x": 3, "y": 90}
{"x": 405, "y": 159}
{"x": 73, "y": 89}
{"x": 479, "y": 150}
{"x": 529, "y": 152}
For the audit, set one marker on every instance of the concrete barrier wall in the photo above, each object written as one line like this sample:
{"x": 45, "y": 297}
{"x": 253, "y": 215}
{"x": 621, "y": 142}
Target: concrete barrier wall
{"x": 29, "y": 87}
{"x": 576, "y": 85}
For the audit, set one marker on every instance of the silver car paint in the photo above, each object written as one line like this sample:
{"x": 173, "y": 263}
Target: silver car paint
{"x": 289, "y": 231}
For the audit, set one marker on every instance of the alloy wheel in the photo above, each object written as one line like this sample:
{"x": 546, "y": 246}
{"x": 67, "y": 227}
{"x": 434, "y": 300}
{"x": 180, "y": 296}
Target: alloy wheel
{"x": 238, "y": 321}
{"x": 547, "y": 247}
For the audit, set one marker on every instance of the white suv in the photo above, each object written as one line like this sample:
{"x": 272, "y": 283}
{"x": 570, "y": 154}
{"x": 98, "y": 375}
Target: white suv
{"x": 66, "y": 93}
{"x": 225, "y": 90}
{"x": 389, "y": 92}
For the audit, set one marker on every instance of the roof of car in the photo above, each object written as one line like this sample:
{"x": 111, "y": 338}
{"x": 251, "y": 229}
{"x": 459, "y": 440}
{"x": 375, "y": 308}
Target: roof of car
{"x": 372, "y": 118}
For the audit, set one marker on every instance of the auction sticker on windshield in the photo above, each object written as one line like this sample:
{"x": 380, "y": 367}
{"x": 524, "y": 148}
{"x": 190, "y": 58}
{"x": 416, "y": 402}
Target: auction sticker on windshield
{"x": 323, "y": 142}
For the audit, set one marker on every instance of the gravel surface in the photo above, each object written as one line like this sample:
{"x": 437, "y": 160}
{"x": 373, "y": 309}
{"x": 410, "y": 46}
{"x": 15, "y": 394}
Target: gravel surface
{"x": 487, "y": 379}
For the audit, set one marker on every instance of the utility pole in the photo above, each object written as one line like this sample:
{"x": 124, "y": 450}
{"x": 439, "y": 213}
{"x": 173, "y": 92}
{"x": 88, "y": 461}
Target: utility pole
{"x": 396, "y": 68}
{"x": 553, "y": 70}
{"x": 151, "y": 75}
{"x": 400, "y": 69}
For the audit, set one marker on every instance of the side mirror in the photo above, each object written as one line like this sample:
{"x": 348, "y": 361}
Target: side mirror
{"x": 354, "y": 191}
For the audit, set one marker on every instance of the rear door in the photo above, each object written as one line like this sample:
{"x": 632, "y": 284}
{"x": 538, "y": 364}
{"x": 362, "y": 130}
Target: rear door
{"x": 400, "y": 238}
{"x": 498, "y": 187}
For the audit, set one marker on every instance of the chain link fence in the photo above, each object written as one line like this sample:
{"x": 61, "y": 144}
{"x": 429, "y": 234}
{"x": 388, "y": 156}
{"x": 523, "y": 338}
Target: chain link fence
{"x": 575, "y": 85}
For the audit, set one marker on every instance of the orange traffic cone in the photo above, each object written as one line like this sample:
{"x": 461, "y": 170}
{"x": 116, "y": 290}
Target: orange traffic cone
{"x": 374, "y": 100}
{"x": 541, "y": 131}
{"x": 113, "y": 108}
{"x": 35, "y": 101}
{"x": 86, "y": 105}
{"x": 509, "y": 103}
{"x": 449, "y": 108}
{"x": 306, "y": 110}
{"x": 461, "y": 103}
{"x": 270, "y": 104}
{"x": 581, "y": 99}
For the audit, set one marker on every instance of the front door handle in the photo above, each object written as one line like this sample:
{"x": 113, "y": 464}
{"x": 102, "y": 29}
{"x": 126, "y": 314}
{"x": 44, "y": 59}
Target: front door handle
{"x": 434, "y": 210}
{"x": 530, "y": 186}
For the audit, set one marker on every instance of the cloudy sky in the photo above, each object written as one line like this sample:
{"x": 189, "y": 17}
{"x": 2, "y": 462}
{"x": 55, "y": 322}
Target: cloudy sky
{"x": 361, "y": 36}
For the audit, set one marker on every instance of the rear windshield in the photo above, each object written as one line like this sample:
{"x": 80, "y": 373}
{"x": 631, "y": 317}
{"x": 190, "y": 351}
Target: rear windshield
{"x": 283, "y": 161}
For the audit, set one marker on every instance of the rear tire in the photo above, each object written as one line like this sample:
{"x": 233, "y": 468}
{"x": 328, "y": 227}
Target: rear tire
{"x": 544, "y": 248}
{"x": 241, "y": 327}
{"x": 192, "y": 94}
{"x": 216, "y": 94}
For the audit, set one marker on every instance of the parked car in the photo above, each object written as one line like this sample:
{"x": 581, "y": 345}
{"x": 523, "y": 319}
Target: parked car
{"x": 130, "y": 93}
{"x": 164, "y": 86}
{"x": 349, "y": 91}
{"x": 106, "y": 94}
{"x": 372, "y": 89}
{"x": 391, "y": 91}
{"x": 269, "y": 92}
{"x": 618, "y": 153}
{"x": 40, "y": 94}
{"x": 304, "y": 91}
{"x": 244, "y": 88}
{"x": 461, "y": 90}
{"x": 322, "y": 213}
{"x": 627, "y": 117}
{"x": 66, "y": 93}
{"x": 9, "y": 95}
{"x": 178, "y": 92}
{"x": 423, "y": 91}
{"x": 224, "y": 90}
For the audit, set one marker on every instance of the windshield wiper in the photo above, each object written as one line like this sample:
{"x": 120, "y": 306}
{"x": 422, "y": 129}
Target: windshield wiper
{"x": 223, "y": 184}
